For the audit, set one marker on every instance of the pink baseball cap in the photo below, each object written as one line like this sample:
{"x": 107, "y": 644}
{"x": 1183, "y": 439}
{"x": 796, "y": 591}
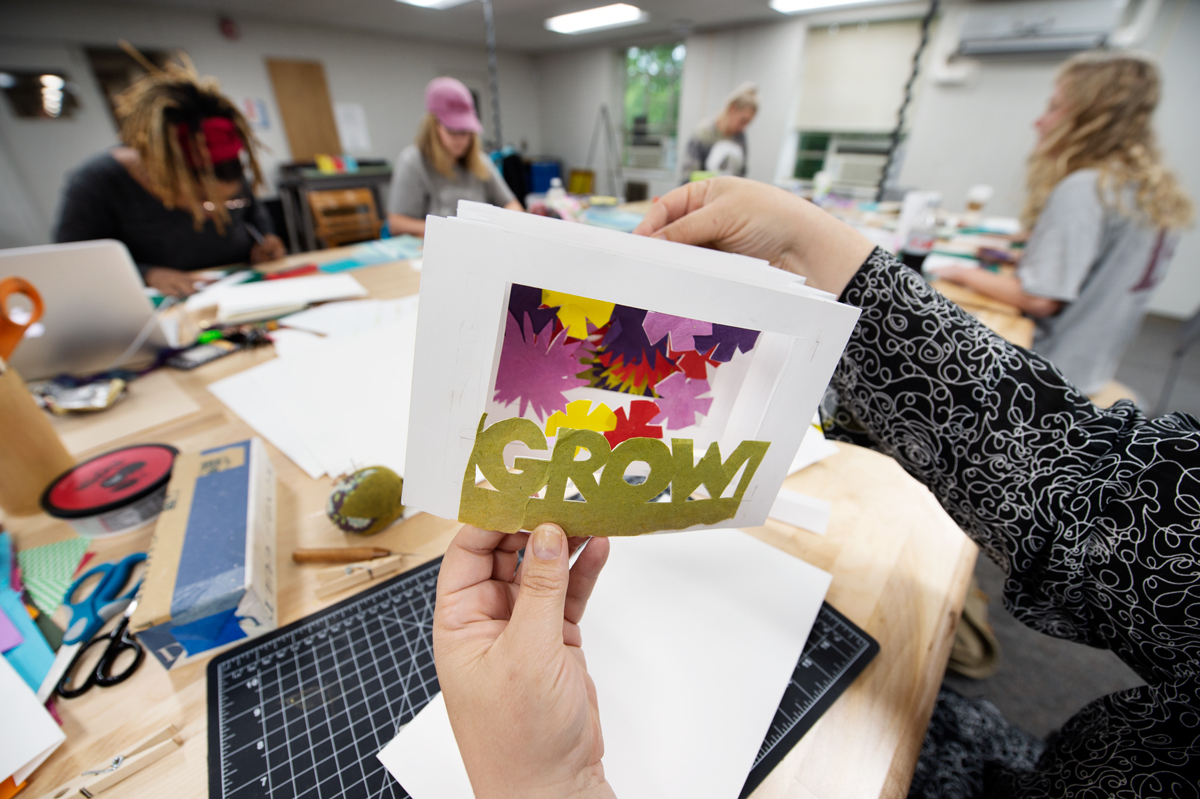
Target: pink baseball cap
{"x": 450, "y": 101}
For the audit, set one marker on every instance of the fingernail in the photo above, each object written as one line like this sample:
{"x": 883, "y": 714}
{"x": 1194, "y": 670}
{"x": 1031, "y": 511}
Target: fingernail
{"x": 547, "y": 542}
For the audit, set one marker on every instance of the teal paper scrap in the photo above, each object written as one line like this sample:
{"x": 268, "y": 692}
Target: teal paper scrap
{"x": 33, "y": 657}
{"x": 384, "y": 251}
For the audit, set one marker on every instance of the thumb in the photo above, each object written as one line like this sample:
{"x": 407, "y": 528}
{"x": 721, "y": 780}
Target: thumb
{"x": 537, "y": 615}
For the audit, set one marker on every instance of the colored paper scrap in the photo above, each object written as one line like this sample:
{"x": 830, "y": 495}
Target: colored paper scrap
{"x": 577, "y": 417}
{"x": 536, "y": 368}
{"x": 611, "y": 505}
{"x": 679, "y": 401}
{"x": 575, "y": 312}
{"x": 10, "y": 636}
{"x": 33, "y": 657}
{"x": 528, "y": 300}
{"x": 695, "y": 364}
{"x": 47, "y": 571}
{"x": 728, "y": 340}
{"x": 636, "y": 424}
{"x": 681, "y": 330}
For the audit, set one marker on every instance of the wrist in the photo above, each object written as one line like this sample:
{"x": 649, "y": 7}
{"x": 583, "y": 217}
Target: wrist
{"x": 828, "y": 251}
{"x": 588, "y": 784}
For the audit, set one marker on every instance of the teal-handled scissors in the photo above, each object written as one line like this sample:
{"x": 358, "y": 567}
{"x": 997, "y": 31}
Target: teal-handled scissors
{"x": 103, "y": 602}
{"x": 109, "y": 597}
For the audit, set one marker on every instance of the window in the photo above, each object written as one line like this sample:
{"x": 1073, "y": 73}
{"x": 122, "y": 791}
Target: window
{"x": 652, "y": 76}
{"x": 853, "y": 84}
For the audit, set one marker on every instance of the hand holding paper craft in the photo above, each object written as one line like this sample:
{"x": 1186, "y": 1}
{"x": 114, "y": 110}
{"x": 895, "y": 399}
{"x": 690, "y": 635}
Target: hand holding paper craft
{"x": 494, "y": 620}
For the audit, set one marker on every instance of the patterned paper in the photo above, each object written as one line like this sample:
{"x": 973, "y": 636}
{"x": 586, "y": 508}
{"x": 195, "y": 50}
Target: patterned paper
{"x": 47, "y": 571}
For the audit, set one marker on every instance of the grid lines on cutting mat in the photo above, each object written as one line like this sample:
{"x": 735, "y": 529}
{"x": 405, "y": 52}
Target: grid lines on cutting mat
{"x": 301, "y": 712}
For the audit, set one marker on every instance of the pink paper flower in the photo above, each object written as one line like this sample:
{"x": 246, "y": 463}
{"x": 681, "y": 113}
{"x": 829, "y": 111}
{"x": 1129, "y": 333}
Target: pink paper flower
{"x": 679, "y": 401}
{"x": 536, "y": 369}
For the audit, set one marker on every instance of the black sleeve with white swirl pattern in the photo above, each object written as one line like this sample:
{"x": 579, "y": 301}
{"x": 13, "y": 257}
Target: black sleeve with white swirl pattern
{"x": 1093, "y": 514}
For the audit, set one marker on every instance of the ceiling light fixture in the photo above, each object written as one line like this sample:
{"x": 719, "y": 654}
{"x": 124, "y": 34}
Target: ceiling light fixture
{"x": 810, "y": 6}
{"x": 594, "y": 19}
{"x": 438, "y": 4}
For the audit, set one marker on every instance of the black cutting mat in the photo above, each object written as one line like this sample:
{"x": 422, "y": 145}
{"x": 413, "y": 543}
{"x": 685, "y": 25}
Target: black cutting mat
{"x": 301, "y": 712}
{"x": 835, "y": 653}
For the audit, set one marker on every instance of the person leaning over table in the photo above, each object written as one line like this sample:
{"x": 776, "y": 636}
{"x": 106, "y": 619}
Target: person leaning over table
{"x": 1092, "y": 513}
{"x": 1104, "y": 215}
{"x": 719, "y": 145}
{"x": 175, "y": 192}
{"x": 447, "y": 163}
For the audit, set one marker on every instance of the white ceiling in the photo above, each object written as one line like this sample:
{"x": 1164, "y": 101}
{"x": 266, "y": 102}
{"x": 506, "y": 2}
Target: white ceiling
{"x": 518, "y": 22}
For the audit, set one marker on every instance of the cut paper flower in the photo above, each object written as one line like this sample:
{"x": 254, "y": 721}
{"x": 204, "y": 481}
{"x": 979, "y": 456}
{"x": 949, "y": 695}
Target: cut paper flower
{"x": 577, "y": 417}
{"x": 728, "y": 340}
{"x": 536, "y": 369}
{"x": 695, "y": 364}
{"x": 679, "y": 401}
{"x": 575, "y": 312}
{"x": 681, "y": 330}
{"x": 636, "y": 424}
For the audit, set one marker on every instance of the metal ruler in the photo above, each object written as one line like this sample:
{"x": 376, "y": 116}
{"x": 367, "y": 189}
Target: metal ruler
{"x": 302, "y": 711}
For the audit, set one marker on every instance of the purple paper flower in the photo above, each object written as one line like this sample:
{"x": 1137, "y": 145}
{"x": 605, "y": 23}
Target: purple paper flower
{"x": 679, "y": 401}
{"x": 537, "y": 369}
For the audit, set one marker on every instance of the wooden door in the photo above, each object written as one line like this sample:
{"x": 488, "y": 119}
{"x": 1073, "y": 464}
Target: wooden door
{"x": 303, "y": 99}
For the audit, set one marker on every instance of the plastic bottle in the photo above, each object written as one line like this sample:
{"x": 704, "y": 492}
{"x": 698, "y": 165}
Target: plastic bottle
{"x": 921, "y": 238}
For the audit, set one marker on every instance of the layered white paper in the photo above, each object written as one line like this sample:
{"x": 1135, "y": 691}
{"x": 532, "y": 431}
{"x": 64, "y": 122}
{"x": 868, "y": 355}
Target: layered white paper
{"x": 691, "y": 641}
{"x": 471, "y": 261}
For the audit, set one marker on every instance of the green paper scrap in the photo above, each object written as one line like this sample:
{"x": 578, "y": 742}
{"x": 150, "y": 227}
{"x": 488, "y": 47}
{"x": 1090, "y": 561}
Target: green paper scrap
{"x": 611, "y": 506}
{"x": 47, "y": 571}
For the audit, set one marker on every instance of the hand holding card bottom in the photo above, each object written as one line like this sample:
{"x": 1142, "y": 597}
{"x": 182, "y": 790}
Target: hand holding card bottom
{"x": 691, "y": 640}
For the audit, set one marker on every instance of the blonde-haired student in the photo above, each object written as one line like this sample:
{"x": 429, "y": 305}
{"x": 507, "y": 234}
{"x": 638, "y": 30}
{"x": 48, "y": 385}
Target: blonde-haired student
{"x": 719, "y": 145}
{"x": 447, "y": 163}
{"x": 1104, "y": 215}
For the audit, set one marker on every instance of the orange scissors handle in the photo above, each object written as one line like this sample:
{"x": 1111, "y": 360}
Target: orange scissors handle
{"x": 10, "y": 331}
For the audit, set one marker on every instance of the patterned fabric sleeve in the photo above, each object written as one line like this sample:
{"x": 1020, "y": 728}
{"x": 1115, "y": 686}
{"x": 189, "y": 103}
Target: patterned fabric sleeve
{"x": 1093, "y": 514}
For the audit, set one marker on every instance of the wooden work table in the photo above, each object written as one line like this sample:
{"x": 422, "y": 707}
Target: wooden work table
{"x": 900, "y": 570}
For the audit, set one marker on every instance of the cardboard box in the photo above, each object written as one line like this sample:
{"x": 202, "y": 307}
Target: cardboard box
{"x": 210, "y": 579}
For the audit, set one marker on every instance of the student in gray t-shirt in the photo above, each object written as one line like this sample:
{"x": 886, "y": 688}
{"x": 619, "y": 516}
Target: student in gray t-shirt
{"x": 447, "y": 164}
{"x": 1103, "y": 213}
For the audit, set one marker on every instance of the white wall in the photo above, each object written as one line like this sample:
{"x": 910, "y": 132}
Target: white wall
{"x": 981, "y": 131}
{"x": 386, "y": 74}
{"x": 572, "y": 85}
{"x": 717, "y": 63}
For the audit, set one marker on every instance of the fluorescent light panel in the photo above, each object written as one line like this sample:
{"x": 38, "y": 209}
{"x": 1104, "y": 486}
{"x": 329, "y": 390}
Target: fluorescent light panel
{"x": 438, "y": 4}
{"x": 594, "y": 19}
{"x": 810, "y": 6}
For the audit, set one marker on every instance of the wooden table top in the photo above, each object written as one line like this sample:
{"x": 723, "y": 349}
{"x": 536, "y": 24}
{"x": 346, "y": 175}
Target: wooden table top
{"x": 900, "y": 571}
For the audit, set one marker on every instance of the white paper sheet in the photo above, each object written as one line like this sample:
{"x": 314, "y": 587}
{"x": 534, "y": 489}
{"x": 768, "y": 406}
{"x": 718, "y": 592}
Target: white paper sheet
{"x": 691, "y": 640}
{"x": 249, "y": 298}
{"x": 335, "y": 404}
{"x": 28, "y": 734}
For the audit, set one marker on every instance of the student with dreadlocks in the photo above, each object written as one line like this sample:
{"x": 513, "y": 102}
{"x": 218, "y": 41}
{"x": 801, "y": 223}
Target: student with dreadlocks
{"x": 175, "y": 193}
{"x": 1104, "y": 215}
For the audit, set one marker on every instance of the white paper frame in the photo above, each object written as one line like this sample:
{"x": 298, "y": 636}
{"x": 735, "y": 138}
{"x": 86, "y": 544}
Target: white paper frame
{"x": 470, "y": 261}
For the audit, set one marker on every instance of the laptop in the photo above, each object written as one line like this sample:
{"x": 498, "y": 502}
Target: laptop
{"x": 95, "y": 308}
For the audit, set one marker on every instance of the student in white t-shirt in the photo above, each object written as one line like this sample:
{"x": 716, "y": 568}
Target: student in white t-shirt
{"x": 447, "y": 163}
{"x": 1104, "y": 215}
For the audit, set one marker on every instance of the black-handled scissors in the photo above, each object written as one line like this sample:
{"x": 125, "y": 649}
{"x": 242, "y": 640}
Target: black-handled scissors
{"x": 119, "y": 641}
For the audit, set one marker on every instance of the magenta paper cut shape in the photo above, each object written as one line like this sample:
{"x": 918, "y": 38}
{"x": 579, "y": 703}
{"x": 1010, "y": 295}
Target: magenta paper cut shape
{"x": 536, "y": 369}
{"x": 679, "y": 401}
{"x": 681, "y": 329}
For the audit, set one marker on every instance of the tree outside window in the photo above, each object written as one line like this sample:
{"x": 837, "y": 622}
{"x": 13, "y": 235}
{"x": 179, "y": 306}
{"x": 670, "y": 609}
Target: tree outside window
{"x": 652, "y": 78}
